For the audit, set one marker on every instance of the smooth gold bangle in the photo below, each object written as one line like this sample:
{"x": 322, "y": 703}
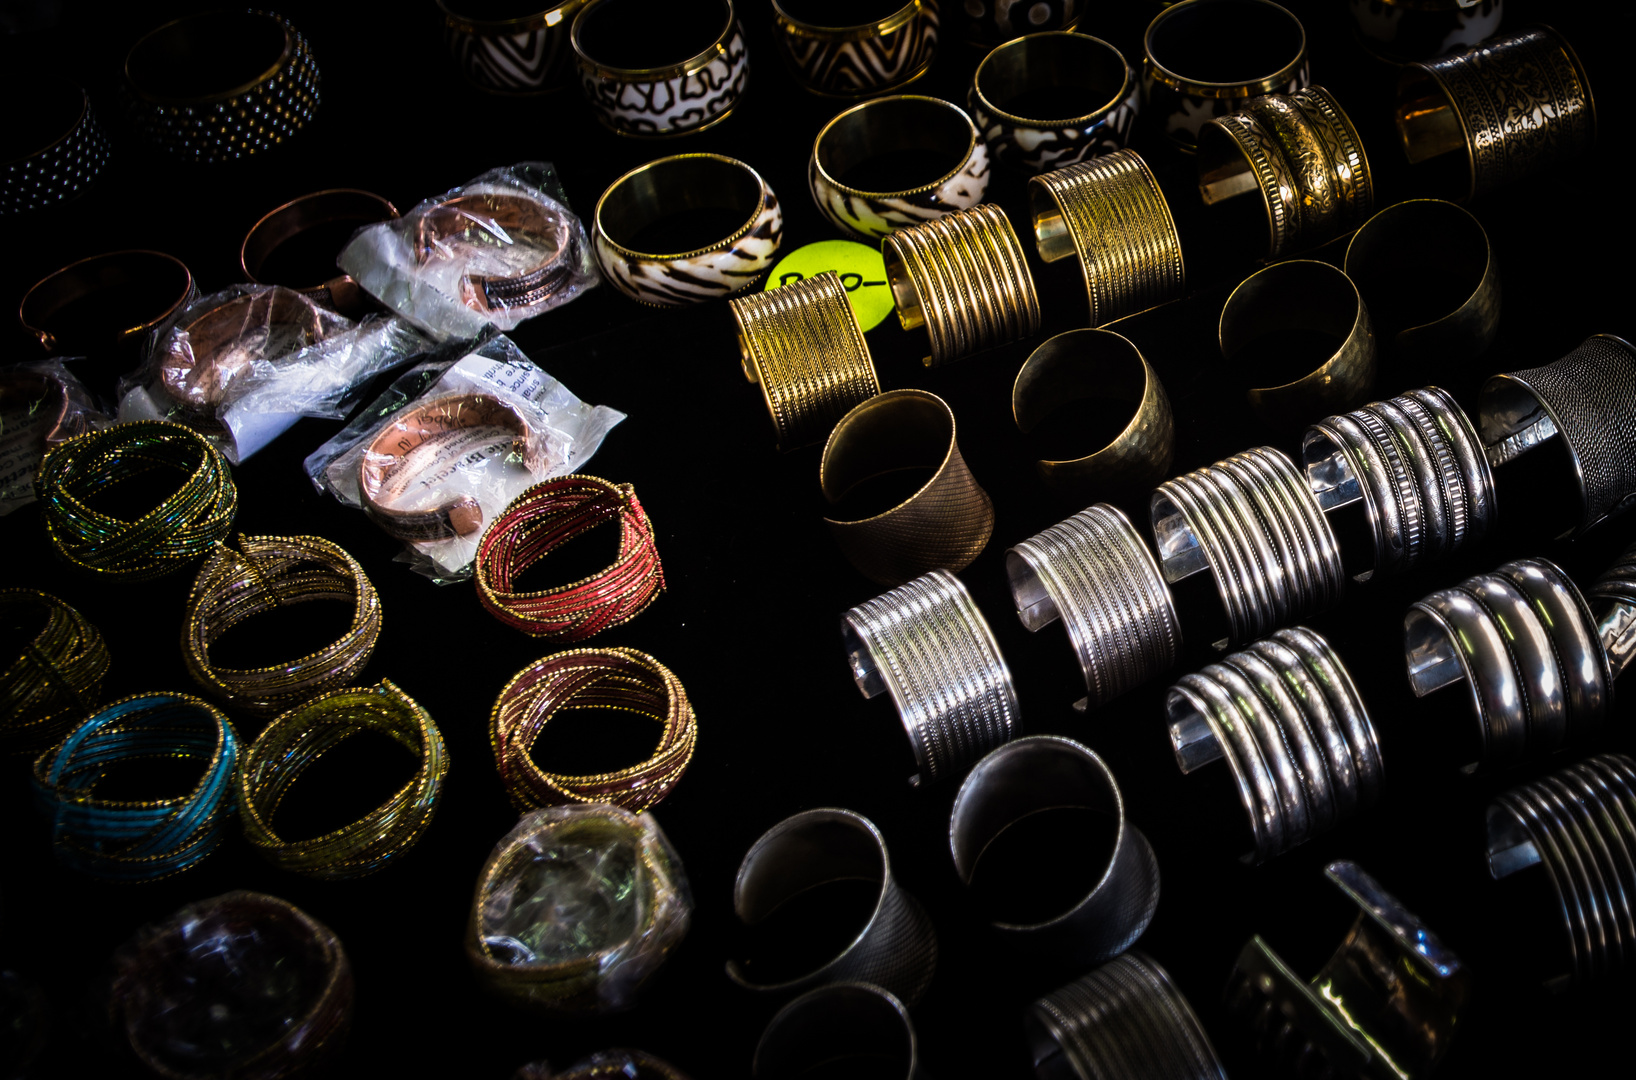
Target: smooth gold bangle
{"x": 56, "y": 679}
{"x": 267, "y": 572}
{"x": 802, "y": 345}
{"x": 292, "y": 742}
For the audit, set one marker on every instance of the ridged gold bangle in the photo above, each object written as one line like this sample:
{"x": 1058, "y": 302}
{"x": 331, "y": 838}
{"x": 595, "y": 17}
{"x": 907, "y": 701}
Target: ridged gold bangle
{"x": 965, "y": 279}
{"x": 268, "y": 572}
{"x": 802, "y": 345}
{"x": 56, "y": 679}
{"x": 291, "y": 743}
{"x": 943, "y": 525}
{"x": 1110, "y": 212}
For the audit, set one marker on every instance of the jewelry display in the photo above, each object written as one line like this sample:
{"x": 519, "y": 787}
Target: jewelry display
{"x": 856, "y": 61}
{"x": 52, "y": 150}
{"x": 319, "y": 210}
{"x": 526, "y": 54}
{"x": 136, "y": 291}
{"x": 1086, "y": 68}
{"x": 56, "y": 679}
{"x": 696, "y": 85}
{"x": 836, "y": 1023}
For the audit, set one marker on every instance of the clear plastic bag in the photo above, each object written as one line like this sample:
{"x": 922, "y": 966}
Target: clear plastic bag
{"x": 495, "y": 251}
{"x": 41, "y": 404}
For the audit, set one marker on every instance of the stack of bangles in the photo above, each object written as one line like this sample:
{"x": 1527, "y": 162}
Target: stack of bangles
{"x": 546, "y": 516}
{"x": 591, "y": 679}
{"x": 58, "y": 675}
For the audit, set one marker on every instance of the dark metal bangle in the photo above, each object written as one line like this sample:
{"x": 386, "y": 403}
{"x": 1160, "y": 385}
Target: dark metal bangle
{"x": 841, "y": 1022}
{"x": 53, "y": 149}
{"x": 282, "y": 224}
{"x": 57, "y": 678}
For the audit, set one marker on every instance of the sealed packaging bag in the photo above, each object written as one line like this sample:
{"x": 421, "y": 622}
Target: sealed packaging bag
{"x": 41, "y": 404}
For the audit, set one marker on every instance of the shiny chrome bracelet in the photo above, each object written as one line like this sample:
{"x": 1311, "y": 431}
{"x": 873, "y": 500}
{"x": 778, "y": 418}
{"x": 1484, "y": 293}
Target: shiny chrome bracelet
{"x": 1046, "y": 772}
{"x": 1613, "y": 605}
{"x": 1288, "y": 719}
{"x": 927, "y": 645}
{"x": 896, "y": 949}
{"x": 843, "y": 1022}
{"x": 1095, "y": 573}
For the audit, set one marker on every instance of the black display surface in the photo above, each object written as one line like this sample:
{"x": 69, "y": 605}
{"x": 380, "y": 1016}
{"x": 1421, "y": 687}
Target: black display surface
{"x": 756, "y": 585}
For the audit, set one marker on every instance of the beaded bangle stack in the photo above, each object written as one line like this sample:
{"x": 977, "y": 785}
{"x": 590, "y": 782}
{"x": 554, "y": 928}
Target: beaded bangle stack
{"x": 58, "y": 676}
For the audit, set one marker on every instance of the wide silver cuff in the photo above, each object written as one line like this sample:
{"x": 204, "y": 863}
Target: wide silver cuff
{"x": 846, "y": 1021}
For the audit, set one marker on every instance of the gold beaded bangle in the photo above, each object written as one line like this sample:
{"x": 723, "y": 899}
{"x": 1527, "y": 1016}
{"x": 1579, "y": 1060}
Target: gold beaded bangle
{"x": 293, "y": 741}
{"x": 268, "y": 572}
{"x": 57, "y": 678}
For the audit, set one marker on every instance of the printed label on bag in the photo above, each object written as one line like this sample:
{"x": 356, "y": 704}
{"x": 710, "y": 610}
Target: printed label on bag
{"x": 22, "y": 442}
{"x": 861, "y": 269}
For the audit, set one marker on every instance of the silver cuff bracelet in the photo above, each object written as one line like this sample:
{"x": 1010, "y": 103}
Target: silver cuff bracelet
{"x": 834, "y": 1024}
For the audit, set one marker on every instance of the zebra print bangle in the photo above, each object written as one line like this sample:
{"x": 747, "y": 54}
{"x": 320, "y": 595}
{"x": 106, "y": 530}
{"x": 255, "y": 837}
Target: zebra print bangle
{"x": 927, "y": 645}
{"x": 1045, "y": 772}
{"x": 57, "y": 677}
{"x": 1580, "y": 823}
{"x": 523, "y": 55}
{"x": 695, "y": 94}
{"x": 991, "y": 22}
{"x": 1524, "y": 641}
{"x": 856, "y": 61}
{"x": 1059, "y": 62}
{"x": 1415, "y": 463}
{"x": 1095, "y": 573}
{"x": 52, "y": 149}
{"x": 1110, "y": 212}
{"x": 321, "y": 208}
{"x": 801, "y": 344}
{"x": 963, "y": 277}
{"x": 895, "y": 949}
{"x": 1286, "y": 716}
{"x": 850, "y": 1021}
{"x": 684, "y": 183}
{"x": 1614, "y": 596}
{"x": 1254, "y": 523}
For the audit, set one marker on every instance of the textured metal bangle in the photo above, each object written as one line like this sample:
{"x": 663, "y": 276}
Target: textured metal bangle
{"x": 944, "y": 525}
{"x": 1613, "y": 605}
{"x": 927, "y": 645}
{"x": 838, "y": 1023}
{"x": 1385, "y": 1006}
{"x": 964, "y": 278}
{"x": 618, "y": 678}
{"x": 606, "y": 1065}
{"x": 801, "y": 344}
{"x": 1045, "y": 772}
{"x": 268, "y": 572}
{"x": 1094, "y": 572}
{"x": 896, "y": 948}
{"x": 1523, "y": 640}
{"x": 1126, "y": 1019}
{"x": 1254, "y": 523}
{"x": 1580, "y": 823}
{"x": 1286, "y": 716}
{"x": 56, "y": 679}
{"x": 54, "y": 149}
{"x": 1416, "y": 464}
{"x": 1112, "y": 214}
{"x": 1588, "y": 398}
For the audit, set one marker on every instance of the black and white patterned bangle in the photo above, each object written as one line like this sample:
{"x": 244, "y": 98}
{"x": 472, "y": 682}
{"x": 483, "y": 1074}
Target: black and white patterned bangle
{"x": 57, "y": 150}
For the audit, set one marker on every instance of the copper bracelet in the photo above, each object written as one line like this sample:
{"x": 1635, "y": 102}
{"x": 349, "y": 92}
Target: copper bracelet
{"x": 161, "y": 285}
{"x": 283, "y": 224}
{"x": 32, "y": 389}
{"x": 225, "y": 341}
{"x": 516, "y": 216}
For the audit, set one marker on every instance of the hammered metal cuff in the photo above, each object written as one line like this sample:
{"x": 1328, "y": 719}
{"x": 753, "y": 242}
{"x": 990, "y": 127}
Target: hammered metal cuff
{"x": 896, "y": 948}
{"x": 833, "y": 1024}
{"x": 1613, "y": 603}
{"x": 1254, "y": 523}
{"x": 1286, "y": 716}
{"x": 927, "y": 645}
{"x": 1415, "y": 463}
{"x": 1523, "y": 640}
{"x": 1095, "y": 573}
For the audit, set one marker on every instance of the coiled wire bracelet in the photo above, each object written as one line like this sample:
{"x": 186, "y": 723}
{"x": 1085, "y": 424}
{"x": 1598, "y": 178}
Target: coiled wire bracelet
{"x": 264, "y": 573}
{"x": 615, "y": 678}
{"x": 57, "y": 677}
{"x": 139, "y": 840}
{"x": 291, "y": 743}
{"x": 182, "y": 526}
{"x": 550, "y": 514}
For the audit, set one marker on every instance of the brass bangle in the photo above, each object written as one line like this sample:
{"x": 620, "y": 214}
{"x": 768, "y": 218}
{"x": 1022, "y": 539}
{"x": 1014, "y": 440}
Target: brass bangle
{"x": 965, "y": 279}
{"x": 267, "y": 572}
{"x": 134, "y": 291}
{"x": 615, "y": 678}
{"x": 57, "y": 678}
{"x": 800, "y": 343}
{"x": 321, "y": 208}
{"x": 52, "y": 149}
{"x": 292, "y": 742}
{"x": 856, "y": 61}
{"x": 649, "y": 102}
{"x": 943, "y": 525}
{"x": 1054, "y": 61}
{"x": 1301, "y": 154}
{"x": 1464, "y": 105}
{"x": 1111, "y": 213}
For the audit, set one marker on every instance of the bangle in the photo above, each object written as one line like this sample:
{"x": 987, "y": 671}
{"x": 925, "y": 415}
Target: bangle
{"x": 54, "y": 151}
{"x": 136, "y": 290}
{"x": 57, "y": 677}
{"x": 854, "y": 61}
{"x": 648, "y": 102}
{"x": 185, "y": 524}
{"x": 130, "y": 840}
{"x": 617, "y": 678}
{"x": 198, "y": 360}
{"x": 266, "y": 572}
{"x": 320, "y": 210}
{"x": 850, "y": 1021}
{"x": 1088, "y": 1028}
{"x": 607, "y": 1065}
{"x": 509, "y": 221}
{"x": 1091, "y": 70}
{"x": 540, "y": 520}
{"x": 527, "y": 53}
{"x": 293, "y": 741}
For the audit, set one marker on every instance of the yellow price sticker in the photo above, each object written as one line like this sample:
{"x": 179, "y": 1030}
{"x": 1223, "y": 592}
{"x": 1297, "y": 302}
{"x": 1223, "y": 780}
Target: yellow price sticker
{"x": 861, "y": 269}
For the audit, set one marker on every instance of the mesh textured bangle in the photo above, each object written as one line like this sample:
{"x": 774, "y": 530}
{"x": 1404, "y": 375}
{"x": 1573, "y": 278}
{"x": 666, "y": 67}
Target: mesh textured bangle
{"x": 548, "y": 515}
{"x": 184, "y": 525}
{"x": 57, "y": 678}
{"x": 131, "y": 840}
{"x": 268, "y": 572}
{"x": 292, "y": 742}
{"x": 617, "y": 678}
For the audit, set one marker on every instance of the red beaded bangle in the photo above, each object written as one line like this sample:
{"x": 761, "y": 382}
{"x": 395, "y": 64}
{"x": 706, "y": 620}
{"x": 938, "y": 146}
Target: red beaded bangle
{"x": 553, "y": 513}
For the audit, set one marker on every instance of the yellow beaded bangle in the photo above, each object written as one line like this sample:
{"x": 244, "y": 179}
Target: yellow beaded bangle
{"x": 57, "y": 678}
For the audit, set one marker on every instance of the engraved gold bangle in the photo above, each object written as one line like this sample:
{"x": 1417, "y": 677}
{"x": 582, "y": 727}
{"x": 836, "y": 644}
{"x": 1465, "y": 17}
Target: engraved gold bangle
{"x": 56, "y": 679}
{"x": 802, "y": 345}
{"x": 1110, "y": 212}
{"x": 943, "y": 525}
{"x": 268, "y": 572}
{"x": 965, "y": 279}
{"x": 295, "y": 740}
